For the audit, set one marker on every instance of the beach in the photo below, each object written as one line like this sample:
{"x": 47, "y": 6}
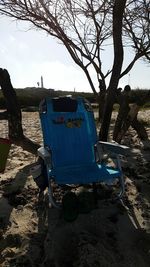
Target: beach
{"x": 114, "y": 234}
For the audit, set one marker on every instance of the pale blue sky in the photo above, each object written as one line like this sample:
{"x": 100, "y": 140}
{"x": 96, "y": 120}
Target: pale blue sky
{"x": 29, "y": 54}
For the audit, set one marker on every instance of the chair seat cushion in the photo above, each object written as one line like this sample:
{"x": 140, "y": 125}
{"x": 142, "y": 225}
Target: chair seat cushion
{"x": 83, "y": 174}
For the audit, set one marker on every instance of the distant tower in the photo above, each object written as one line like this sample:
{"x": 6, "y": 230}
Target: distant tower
{"x": 42, "y": 84}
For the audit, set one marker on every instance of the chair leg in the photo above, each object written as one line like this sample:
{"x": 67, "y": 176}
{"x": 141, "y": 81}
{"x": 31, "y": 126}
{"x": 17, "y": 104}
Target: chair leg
{"x": 50, "y": 192}
{"x": 121, "y": 179}
{"x": 51, "y": 198}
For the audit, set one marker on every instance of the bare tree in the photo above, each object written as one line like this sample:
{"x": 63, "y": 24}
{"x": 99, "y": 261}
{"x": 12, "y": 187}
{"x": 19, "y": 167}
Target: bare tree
{"x": 136, "y": 31}
{"x": 85, "y": 28}
{"x": 82, "y": 26}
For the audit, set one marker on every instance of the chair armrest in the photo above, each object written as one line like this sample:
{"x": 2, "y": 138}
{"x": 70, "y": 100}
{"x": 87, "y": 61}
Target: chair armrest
{"x": 44, "y": 154}
{"x": 113, "y": 147}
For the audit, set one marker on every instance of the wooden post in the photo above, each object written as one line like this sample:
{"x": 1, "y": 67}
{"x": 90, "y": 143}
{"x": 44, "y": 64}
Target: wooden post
{"x": 127, "y": 116}
{"x": 123, "y": 100}
{"x": 13, "y": 108}
{"x": 14, "y": 115}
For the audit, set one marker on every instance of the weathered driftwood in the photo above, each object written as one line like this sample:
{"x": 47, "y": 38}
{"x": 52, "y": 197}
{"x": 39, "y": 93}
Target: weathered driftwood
{"x": 123, "y": 100}
{"x": 13, "y": 115}
{"x": 127, "y": 116}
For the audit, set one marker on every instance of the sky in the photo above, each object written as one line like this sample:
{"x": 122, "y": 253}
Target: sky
{"x": 30, "y": 54}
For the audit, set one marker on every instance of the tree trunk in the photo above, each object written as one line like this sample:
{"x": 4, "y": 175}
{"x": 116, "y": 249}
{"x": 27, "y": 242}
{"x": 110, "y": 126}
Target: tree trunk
{"x": 14, "y": 115}
{"x": 101, "y": 102}
{"x": 118, "y": 11}
{"x": 106, "y": 117}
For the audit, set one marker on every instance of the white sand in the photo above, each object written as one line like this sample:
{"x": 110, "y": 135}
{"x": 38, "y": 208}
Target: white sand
{"x": 113, "y": 235}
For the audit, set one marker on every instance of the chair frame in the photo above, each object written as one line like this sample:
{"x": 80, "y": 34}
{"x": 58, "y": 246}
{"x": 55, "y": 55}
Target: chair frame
{"x": 114, "y": 150}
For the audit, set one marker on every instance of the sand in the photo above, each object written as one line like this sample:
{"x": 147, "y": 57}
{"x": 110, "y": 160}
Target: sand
{"x": 116, "y": 233}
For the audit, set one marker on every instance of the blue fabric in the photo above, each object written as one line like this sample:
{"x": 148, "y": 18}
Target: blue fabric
{"x": 71, "y": 136}
{"x": 70, "y": 145}
{"x": 83, "y": 174}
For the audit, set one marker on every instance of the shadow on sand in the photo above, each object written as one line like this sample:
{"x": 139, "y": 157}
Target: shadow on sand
{"x": 110, "y": 235}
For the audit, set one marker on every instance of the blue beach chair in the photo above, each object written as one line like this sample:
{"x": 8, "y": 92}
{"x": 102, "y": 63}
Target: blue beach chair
{"x": 72, "y": 153}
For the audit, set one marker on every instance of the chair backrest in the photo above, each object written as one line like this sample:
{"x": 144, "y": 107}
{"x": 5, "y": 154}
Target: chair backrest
{"x": 69, "y": 130}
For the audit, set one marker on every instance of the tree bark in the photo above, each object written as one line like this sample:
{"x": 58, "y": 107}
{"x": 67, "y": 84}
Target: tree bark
{"x": 101, "y": 102}
{"x": 118, "y": 11}
{"x": 14, "y": 115}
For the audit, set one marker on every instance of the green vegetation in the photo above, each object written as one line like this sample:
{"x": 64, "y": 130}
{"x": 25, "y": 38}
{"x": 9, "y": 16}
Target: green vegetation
{"x": 141, "y": 97}
{"x": 31, "y": 97}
